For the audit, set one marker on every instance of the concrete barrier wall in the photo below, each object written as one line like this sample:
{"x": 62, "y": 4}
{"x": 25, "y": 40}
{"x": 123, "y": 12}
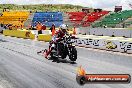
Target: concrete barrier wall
{"x": 44, "y": 37}
{"x": 119, "y": 32}
{"x": 43, "y": 32}
{"x": 46, "y": 32}
{"x": 119, "y": 44}
{"x": 19, "y": 33}
{"x": 27, "y": 34}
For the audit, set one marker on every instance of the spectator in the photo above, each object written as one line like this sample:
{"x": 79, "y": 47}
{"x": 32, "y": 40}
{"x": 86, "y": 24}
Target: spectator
{"x": 1, "y": 28}
{"x": 39, "y": 28}
{"x": 105, "y": 26}
{"x": 2, "y": 25}
{"x": 21, "y": 24}
{"x": 43, "y": 27}
{"x": 53, "y": 26}
{"x": 123, "y": 25}
{"x": 10, "y": 26}
{"x": 5, "y": 27}
{"x": 32, "y": 28}
{"x": 29, "y": 27}
{"x": 15, "y": 27}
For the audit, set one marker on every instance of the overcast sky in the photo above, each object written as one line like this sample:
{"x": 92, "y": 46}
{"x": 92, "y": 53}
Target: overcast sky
{"x": 104, "y": 4}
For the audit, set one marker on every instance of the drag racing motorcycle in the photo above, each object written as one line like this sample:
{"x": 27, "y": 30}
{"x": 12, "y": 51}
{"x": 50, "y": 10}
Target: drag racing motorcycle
{"x": 64, "y": 48}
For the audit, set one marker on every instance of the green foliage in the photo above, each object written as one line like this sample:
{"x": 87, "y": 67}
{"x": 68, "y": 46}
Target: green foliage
{"x": 43, "y": 7}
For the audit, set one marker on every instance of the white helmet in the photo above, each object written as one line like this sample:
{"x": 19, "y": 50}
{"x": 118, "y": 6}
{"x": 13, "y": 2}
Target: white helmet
{"x": 64, "y": 26}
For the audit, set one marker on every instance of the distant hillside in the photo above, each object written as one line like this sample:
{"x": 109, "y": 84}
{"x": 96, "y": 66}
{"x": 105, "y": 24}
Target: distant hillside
{"x": 43, "y": 7}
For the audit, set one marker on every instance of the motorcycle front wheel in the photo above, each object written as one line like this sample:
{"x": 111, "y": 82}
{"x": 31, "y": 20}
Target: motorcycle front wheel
{"x": 73, "y": 54}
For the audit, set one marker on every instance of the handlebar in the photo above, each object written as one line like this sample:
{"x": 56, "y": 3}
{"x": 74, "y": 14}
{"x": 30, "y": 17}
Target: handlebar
{"x": 68, "y": 39}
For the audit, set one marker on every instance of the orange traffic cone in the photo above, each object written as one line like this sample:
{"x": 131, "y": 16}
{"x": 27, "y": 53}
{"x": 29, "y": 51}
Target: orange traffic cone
{"x": 53, "y": 31}
{"x": 74, "y": 31}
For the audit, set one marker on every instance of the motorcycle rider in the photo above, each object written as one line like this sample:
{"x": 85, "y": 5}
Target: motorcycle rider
{"x": 59, "y": 34}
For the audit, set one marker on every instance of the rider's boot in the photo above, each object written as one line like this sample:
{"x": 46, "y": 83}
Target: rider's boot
{"x": 47, "y": 53}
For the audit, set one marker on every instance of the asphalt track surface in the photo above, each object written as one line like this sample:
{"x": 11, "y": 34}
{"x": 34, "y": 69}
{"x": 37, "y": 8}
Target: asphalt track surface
{"x": 22, "y": 67}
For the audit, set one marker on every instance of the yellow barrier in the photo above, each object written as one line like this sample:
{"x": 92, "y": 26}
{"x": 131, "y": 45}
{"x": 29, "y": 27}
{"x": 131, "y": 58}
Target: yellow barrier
{"x": 19, "y": 33}
{"x": 44, "y": 37}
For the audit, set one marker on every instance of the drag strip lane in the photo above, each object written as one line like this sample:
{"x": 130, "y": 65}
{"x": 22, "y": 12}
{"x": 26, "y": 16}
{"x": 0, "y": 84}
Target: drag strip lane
{"x": 24, "y": 68}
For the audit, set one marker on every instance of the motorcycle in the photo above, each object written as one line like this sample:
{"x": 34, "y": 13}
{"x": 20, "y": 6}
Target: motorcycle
{"x": 64, "y": 48}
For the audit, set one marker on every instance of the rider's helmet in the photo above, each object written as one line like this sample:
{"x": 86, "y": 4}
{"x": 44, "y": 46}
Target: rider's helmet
{"x": 64, "y": 27}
